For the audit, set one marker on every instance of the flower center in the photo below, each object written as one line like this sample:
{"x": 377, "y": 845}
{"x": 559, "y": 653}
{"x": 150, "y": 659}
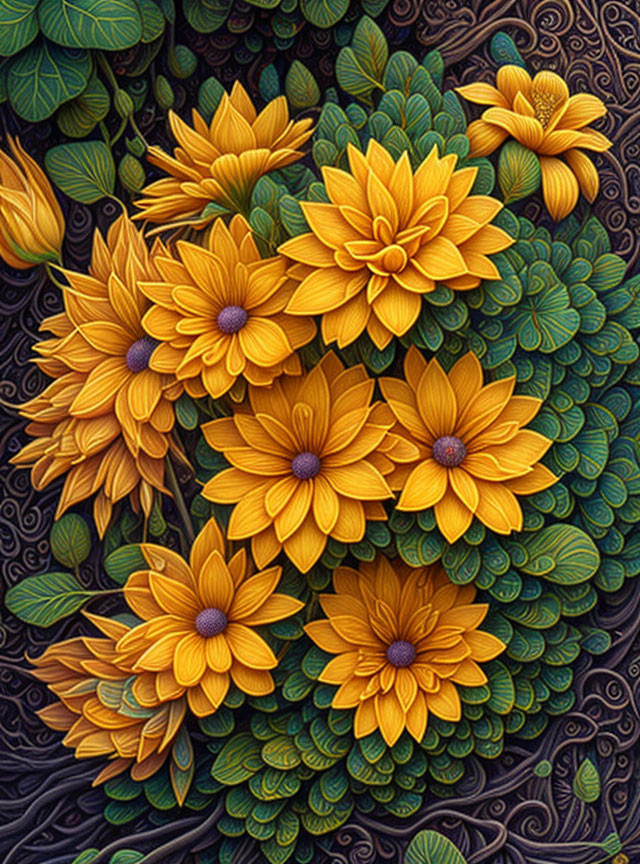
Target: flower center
{"x": 544, "y": 104}
{"x": 231, "y": 319}
{"x": 449, "y": 451}
{"x": 140, "y": 352}
{"x": 210, "y": 622}
{"x": 394, "y": 259}
{"x": 401, "y": 653}
{"x": 305, "y": 465}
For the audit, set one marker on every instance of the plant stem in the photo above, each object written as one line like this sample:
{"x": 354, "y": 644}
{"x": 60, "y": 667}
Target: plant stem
{"x": 49, "y": 268}
{"x": 178, "y": 497}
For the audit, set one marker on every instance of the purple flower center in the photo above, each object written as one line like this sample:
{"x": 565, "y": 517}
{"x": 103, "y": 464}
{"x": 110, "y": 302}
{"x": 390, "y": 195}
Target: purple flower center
{"x": 305, "y": 465}
{"x": 401, "y": 653}
{"x": 210, "y": 622}
{"x": 231, "y": 319}
{"x": 140, "y": 352}
{"x": 449, "y": 451}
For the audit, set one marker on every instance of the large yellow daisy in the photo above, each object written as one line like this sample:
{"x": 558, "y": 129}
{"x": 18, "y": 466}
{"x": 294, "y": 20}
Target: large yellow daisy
{"x": 386, "y": 238}
{"x": 308, "y": 462}
{"x": 221, "y": 162}
{"x": 106, "y": 418}
{"x": 475, "y": 455}
{"x": 541, "y": 114}
{"x": 218, "y": 314}
{"x": 404, "y": 637}
{"x": 198, "y": 624}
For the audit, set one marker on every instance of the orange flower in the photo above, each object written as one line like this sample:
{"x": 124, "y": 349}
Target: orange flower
{"x": 221, "y": 162}
{"x": 475, "y": 455}
{"x": 219, "y": 314}
{"x": 309, "y": 462}
{"x": 542, "y": 116}
{"x": 199, "y": 618}
{"x": 404, "y": 637}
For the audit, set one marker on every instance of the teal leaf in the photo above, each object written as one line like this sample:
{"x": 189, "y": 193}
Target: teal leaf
{"x": 120, "y": 564}
{"x": 83, "y": 170}
{"x": 78, "y": 117}
{"x": 360, "y": 68}
{"x": 43, "y": 600}
{"x": 561, "y": 553}
{"x": 18, "y": 25}
{"x": 209, "y": 95}
{"x": 43, "y": 77}
{"x": 323, "y": 13}
{"x": 109, "y": 25}
{"x": 205, "y": 16}
{"x": 431, "y": 847}
{"x": 152, "y": 20}
{"x": 70, "y": 540}
{"x": 586, "y": 783}
{"x": 238, "y": 760}
{"x": 518, "y": 172}
{"x": 301, "y": 87}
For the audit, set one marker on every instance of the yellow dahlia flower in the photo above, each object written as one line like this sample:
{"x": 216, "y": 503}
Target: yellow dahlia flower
{"x": 475, "y": 456}
{"x": 106, "y": 418}
{"x": 199, "y": 618}
{"x": 386, "y": 238}
{"x": 404, "y": 637}
{"x": 31, "y": 221}
{"x": 541, "y": 114}
{"x": 218, "y": 314}
{"x": 102, "y": 707}
{"x": 309, "y": 461}
{"x": 221, "y": 162}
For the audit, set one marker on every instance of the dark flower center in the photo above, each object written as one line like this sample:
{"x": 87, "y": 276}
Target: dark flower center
{"x": 449, "y": 451}
{"x": 140, "y": 352}
{"x": 231, "y": 319}
{"x": 401, "y": 653}
{"x": 305, "y": 466}
{"x": 210, "y": 622}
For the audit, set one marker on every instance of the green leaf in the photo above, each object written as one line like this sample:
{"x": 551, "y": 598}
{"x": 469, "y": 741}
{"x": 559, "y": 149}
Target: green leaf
{"x": 323, "y": 13}
{"x": 360, "y": 68}
{"x": 238, "y": 760}
{"x": 209, "y": 95}
{"x": 152, "y": 20}
{"x": 18, "y": 25}
{"x": 86, "y": 857}
{"x": 84, "y": 170}
{"x": 126, "y": 856}
{"x": 431, "y": 847}
{"x": 78, "y": 117}
{"x": 301, "y": 87}
{"x": 281, "y": 753}
{"x": 543, "y": 768}
{"x": 109, "y": 25}
{"x": 186, "y": 412}
{"x": 43, "y": 77}
{"x": 120, "y": 564}
{"x": 43, "y": 600}
{"x": 518, "y": 172}
{"x": 205, "y": 16}
{"x": 70, "y": 540}
{"x": 561, "y": 553}
{"x": 586, "y": 783}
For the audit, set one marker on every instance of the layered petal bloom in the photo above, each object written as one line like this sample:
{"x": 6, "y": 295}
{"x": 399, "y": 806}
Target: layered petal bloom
{"x": 31, "y": 221}
{"x": 403, "y": 639}
{"x": 102, "y": 707}
{"x": 541, "y": 115}
{"x": 218, "y": 314}
{"x": 105, "y": 419}
{"x": 386, "y": 237}
{"x": 476, "y": 457}
{"x": 222, "y": 161}
{"x": 198, "y": 624}
{"x": 308, "y": 460}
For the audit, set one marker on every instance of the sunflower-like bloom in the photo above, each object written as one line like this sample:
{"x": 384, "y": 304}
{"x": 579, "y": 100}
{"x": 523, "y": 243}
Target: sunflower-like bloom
{"x": 475, "y": 455}
{"x": 31, "y": 221}
{"x": 221, "y": 162}
{"x": 102, "y": 707}
{"x": 386, "y": 238}
{"x": 404, "y": 637}
{"x": 199, "y": 618}
{"x": 105, "y": 419}
{"x": 542, "y": 116}
{"x": 219, "y": 314}
{"x": 308, "y": 462}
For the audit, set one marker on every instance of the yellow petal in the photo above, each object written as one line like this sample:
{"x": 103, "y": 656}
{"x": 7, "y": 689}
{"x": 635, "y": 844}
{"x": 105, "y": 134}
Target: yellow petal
{"x": 274, "y": 608}
{"x": 217, "y": 653}
{"x": 215, "y": 585}
{"x": 526, "y": 130}
{"x": 360, "y": 480}
{"x": 585, "y": 171}
{"x": 305, "y": 546}
{"x": 248, "y": 647}
{"x": 340, "y": 668}
{"x": 484, "y": 137}
{"x": 535, "y": 481}
{"x": 498, "y": 507}
{"x": 583, "y": 108}
{"x": 324, "y": 635}
{"x": 452, "y": 516}
{"x": 189, "y": 663}
{"x": 252, "y": 594}
{"x": 215, "y": 687}
{"x": 437, "y": 401}
{"x": 208, "y": 539}
{"x": 483, "y": 94}
{"x": 391, "y": 719}
{"x": 425, "y": 486}
{"x": 560, "y": 188}
{"x": 484, "y": 646}
{"x": 253, "y": 682}
{"x": 511, "y": 79}
{"x": 173, "y": 596}
{"x": 445, "y": 704}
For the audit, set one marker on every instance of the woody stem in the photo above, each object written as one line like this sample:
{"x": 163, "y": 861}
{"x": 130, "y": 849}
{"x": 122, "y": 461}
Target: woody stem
{"x": 178, "y": 497}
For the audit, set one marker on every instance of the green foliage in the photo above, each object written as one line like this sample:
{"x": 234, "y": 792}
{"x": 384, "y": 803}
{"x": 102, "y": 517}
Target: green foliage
{"x": 43, "y": 600}
{"x": 85, "y": 171}
{"x": 431, "y": 847}
{"x": 70, "y": 540}
{"x": 301, "y": 87}
{"x": 586, "y": 782}
{"x": 518, "y": 172}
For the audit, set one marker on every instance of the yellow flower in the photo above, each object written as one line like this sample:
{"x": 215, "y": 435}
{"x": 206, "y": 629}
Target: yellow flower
{"x": 308, "y": 462}
{"x": 102, "y": 707}
{"x": 31, "y": 222}
{"x": 198, "y": 625}
{"x": 475, "y": 455}
{"x": 386, "y": 238}
{"x": 106, "y": 418}
{"x": 219, "y": 314}
{"x": 404, "y": 637}
{"x": 540, "y": 114}
{"x": 221, "y": 162}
